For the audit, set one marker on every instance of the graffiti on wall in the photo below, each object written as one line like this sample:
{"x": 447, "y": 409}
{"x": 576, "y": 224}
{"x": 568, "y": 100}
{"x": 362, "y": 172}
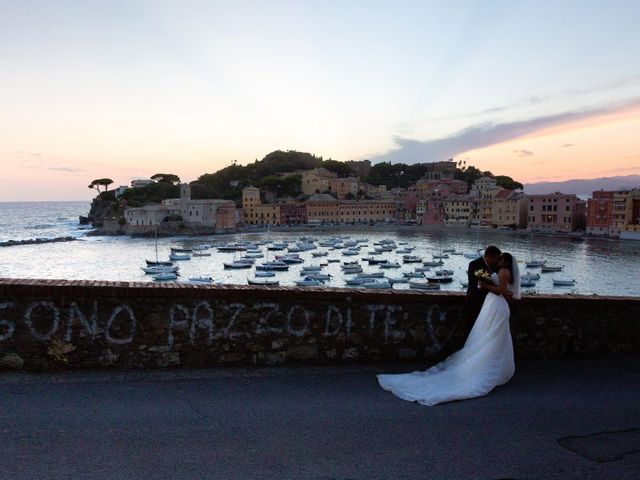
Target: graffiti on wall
{"x": 203, "y": 322}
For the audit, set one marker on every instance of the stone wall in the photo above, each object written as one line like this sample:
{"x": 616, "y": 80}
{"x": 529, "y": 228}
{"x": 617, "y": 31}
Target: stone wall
{"x": 49, "y": 324}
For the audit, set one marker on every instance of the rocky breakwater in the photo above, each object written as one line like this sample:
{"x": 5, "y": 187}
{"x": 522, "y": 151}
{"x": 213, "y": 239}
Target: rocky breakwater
{"x": 36, "y": 241}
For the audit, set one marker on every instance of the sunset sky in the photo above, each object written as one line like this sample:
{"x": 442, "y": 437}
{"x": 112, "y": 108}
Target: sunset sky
{"x": 126, "y": 89}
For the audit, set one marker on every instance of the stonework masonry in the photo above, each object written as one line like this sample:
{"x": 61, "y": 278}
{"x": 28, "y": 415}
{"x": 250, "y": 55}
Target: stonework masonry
{"x": 53, "y": 325}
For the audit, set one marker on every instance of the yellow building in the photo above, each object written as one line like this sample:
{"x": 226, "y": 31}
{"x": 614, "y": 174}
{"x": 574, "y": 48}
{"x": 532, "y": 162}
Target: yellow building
{"x": 324, "y": 208}
{"x": 509, "y": 209}
{"x": 622, "y": 214}
{"x": 457, "y": 210}
{"x": 367, "y": 211}
{"x": 317, "y": 180}
{"x": 344, "y": 187}
{"x": 254, "y": 212}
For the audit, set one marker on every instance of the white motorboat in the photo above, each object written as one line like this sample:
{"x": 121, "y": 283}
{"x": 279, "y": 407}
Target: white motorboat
{"x": 440, "y": 279}
{"x": 158, "y": 263}
{"x": 411, "y": 259}
{"x": 354, "y": 281}
{"x": 245, "y": 259}
{"x": 534, "y": 263}
{"x": 443, "y": 272}
{"x": 311, "y": 268}
{"x": 201, "y": 279}
{"x": 546, "y": 268}
{"x": 319, "y": 276}
{"x": 374, "y": 261}
{"x": 199, "y": 253}
{"x": 472, "y": 256}
{"x": 352, "y": 270}
{"x": 263, "y": 281}
{"x": 290, "y": 259}
{"x": 309, "y": 282}
{"x": 563, "y": 281}
{"x": 231, "y": 247}
{"x": 253, "y": 255}
{"x": 389, "y": 265}
{"x": 273, "y": 265}
{"x": 350, "y": 264}
{"x": 350, "y": 252}
{"x": 177, "y": 257}
{"x": 526, "y": 283}
{"x": 319, "y": 254}
{"x": 333, "y": 260}
{"x": 434, "y": 263}
{"x": 394, "y": 280}
{"x": 163, "y": 277}
{"x": 440, "y": 256}
{"x": 422, "y": 285}
{"x": 159, "y": 269}
{"x": 260, "y": 273}
{"x": 530, "y": 276}
{"x": 422, "y": 269}
{"x": 181, "y": 250}
{"x": 277, "y": 246}
{"x": 370, "y": 275}
{"x": 413, "y": 274}
{"x": 377, "y": 283}
{"x": 236, "y": 265}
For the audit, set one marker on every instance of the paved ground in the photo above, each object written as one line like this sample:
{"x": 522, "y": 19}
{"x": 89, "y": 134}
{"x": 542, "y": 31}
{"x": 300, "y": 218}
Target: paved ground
{"x": 555, "y": 419}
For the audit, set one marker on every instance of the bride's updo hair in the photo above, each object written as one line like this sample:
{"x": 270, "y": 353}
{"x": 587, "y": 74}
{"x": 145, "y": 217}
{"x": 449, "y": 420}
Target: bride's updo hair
{"x": 507, "y": 259}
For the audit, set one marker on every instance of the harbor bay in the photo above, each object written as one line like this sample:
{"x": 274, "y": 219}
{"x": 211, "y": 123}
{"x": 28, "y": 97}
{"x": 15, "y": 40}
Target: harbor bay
{"x": 598, "y": 266}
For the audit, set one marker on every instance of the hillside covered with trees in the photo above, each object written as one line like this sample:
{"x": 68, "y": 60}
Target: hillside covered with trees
{"x": 266, "y": 174}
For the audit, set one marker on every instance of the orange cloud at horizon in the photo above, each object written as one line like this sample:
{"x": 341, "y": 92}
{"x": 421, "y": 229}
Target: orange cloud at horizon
{"x": 600, "y": 146}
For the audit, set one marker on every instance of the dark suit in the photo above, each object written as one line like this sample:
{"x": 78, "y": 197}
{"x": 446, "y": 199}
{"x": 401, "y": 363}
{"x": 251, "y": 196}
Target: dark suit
{"x": 475, "y": 296}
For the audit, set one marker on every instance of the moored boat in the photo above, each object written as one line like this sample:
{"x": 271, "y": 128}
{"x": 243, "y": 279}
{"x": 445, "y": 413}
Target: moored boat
{"x": 422, "y": 285}
{"x": 263, "y": 281}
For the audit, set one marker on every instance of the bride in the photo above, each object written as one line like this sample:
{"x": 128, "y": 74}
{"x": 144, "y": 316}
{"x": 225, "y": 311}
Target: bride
{"x": 485, "y": 361}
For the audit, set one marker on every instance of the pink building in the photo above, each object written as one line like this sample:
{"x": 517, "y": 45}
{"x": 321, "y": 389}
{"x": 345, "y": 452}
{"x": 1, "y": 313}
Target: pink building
{"x": 600, "y": 213}
{"x": 406, "y": 206}
{"x": 556, "y": 212}
{"x": 293, "y": 214}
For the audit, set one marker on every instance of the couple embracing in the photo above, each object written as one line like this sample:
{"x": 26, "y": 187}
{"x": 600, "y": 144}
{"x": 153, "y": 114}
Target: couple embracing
{"x": 486, "y": 360}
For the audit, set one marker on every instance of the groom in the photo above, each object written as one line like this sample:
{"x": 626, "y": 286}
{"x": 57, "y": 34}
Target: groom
{"x": 475, "y": 296}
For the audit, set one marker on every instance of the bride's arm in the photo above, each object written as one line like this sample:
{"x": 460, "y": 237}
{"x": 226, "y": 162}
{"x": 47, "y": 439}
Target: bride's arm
{"x": 503, "y": 288}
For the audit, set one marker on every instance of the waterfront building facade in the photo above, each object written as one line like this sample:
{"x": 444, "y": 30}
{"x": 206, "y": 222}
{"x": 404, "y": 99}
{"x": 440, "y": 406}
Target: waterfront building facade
{"x": 509, "y": 209}
{"x": 208, "y": 213}
{"x": 322, "y": 208}
{"x": 600, "y": 213}
{"x": 457, "y": 210}
{"x": 254, "y": 212}
{"x": 293, "y": 213}
{"x": 556, "y": 212}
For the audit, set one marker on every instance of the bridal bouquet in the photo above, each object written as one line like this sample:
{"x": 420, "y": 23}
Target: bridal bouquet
{"x": 483, "y": 276}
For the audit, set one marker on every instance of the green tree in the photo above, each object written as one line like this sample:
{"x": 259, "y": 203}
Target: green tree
{"x": 169, "y": 178}
{"x": 100, "y": 182}
{"x": 340, "y": 168}
{"x": 508, "y": 182}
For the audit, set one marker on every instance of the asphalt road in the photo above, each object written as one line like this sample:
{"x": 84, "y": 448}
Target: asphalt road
{"x": 569, "y": 419}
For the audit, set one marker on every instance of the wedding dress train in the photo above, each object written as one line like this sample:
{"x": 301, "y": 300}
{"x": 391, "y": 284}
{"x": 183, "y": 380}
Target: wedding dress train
{"x": 485, "y": 362}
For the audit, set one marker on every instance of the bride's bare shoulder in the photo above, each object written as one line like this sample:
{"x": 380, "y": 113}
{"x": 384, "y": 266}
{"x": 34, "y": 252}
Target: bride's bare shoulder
{"x": 504, "y": 272}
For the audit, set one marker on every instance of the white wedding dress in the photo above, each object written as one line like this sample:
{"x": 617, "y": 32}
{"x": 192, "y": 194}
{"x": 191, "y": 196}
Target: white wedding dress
{"x": 485, "y": 361}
